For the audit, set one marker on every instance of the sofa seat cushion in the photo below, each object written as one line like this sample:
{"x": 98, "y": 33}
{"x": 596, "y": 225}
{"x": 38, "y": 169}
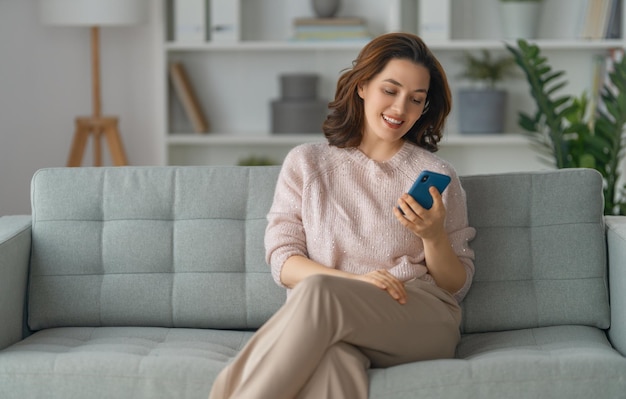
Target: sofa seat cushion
{"x": 117, "y": 362}
{"x": 127, "y": 362}
{"x": 547, "y": 362}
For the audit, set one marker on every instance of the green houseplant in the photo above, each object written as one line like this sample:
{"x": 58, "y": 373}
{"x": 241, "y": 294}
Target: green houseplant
{"x": 567, "y": 132}
{"x": 256, "y": 160}
{"x": 482, "y": 106}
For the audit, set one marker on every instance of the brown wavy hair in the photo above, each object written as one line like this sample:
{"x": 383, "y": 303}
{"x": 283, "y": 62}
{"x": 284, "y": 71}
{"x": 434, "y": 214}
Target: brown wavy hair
{"x": 344, "y": 125}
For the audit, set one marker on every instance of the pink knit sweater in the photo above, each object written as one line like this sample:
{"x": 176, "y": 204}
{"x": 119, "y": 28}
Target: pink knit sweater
{"x": 334, "y": 206}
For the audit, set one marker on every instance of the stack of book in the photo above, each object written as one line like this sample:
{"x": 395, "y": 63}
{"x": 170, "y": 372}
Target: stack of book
{"x": 330, "y": 29}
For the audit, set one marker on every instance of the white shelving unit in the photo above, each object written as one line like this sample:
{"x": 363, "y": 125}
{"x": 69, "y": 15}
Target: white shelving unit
{"x": 236, "y": 81}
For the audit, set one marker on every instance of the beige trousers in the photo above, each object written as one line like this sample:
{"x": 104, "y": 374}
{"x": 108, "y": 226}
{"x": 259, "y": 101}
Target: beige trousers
{"x": 321, "y": 342}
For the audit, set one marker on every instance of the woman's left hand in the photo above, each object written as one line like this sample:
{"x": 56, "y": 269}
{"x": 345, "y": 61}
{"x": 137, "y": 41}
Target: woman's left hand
{"x": 425, "y": 223}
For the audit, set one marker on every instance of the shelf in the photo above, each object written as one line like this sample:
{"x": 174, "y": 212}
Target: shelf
{"x": 449, "y": 45}
{"x": 544, "y": 44}
{"x": 236, "y": 81}
{"x": 269, "y": 45}
{"x": 496, "y": 139}
{"x": 242, "y": 140}
{"x": 222, "y": 139}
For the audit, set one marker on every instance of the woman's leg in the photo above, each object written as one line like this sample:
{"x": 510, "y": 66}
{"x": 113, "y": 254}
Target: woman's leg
{"x": 323, "y": 311}
{"x": 425, "y": 328}
{"x": 342, "y": 373}
{"x": 284, "y": 353}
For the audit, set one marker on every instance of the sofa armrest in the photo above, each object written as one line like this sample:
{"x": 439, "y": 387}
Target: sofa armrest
{"x": 616, "y": 243}
{"x": 15, "y": 239}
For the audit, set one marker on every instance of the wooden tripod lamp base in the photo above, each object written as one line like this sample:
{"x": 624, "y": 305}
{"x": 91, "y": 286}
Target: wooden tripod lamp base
{"x": 93, "y": 14}
{"x": 97, "y": 127}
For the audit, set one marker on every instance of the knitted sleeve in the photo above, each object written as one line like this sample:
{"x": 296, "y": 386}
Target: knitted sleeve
{"x": 459, "y": 232}
{"x": 285, "y": 235}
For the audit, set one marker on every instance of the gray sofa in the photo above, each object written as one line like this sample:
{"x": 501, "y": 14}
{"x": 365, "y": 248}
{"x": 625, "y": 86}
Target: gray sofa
{"x": 143, "y": 282}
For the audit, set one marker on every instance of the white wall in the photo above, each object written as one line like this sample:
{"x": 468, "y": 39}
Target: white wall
{"x": 45, "y": 82}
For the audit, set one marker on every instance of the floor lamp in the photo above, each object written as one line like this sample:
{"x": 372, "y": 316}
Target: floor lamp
{"x": 94, "y": 14}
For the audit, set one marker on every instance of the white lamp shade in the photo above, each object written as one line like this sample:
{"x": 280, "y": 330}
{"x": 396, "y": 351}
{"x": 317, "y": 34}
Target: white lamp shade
{"x": 93, "y": 12}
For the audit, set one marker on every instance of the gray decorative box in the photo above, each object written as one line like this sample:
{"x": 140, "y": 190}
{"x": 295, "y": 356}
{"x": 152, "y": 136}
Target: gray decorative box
{"x": 298, "y": 110}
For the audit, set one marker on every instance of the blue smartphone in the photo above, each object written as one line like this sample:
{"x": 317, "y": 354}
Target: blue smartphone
{"x": 424, "y": 181}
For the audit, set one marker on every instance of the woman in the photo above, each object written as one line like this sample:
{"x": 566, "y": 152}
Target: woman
{"x": 368, "y": 285}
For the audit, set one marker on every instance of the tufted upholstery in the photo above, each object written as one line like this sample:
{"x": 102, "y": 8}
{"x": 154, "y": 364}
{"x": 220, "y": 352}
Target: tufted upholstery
{"x": 540, "y": 250}
{"x": 144, "y": 282}
{"x": 167, "y": 247}
{"x": 184, "y": 247}
{"x": 131, "y": 362}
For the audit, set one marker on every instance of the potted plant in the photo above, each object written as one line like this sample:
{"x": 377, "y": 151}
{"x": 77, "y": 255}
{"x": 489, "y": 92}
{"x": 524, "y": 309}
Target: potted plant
{"x": 519, "y": 18}
{"x": 571, "y": 131}
{"x": 482, "y": 106}
{"x": 256, "y": 160}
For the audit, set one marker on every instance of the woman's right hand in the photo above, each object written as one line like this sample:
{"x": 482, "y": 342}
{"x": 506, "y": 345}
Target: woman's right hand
{"x": 297, "y": 268}
{"x": 385, "y": 281}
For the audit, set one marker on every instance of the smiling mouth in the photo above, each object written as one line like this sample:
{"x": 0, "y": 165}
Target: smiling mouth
{"x": 392, "y": 121}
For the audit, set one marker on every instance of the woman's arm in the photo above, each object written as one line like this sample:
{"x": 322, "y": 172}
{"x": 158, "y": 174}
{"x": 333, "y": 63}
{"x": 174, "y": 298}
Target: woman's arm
{"x": 443, "y": 264}
{"x": 429, "y": 224}
{"x": 297, "y": 268}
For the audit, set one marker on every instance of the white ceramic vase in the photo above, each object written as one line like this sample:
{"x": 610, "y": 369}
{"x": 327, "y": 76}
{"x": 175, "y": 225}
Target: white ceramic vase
{"x": 326, "y": 8}
{"x": 519, "y": 20}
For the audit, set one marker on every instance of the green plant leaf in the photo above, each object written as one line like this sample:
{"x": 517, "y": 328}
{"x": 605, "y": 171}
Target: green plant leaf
{"x": 587, "y": 161}
{"x": 561, "y": 128}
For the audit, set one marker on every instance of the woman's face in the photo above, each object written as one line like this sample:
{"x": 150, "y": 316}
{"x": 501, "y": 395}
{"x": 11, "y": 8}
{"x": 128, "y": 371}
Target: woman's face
{"x": 394, "y": 100}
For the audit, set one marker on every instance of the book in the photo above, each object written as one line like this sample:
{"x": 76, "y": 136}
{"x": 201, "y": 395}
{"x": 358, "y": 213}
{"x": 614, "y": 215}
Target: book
{"x": 224, "y": 21}
{"x": 345, "y": 33}
{"x": 433, "y": 19}
{"x": 603, "y": 23}
{"x": 341, "y": 21}
{"x": 614, "y": 25}
{"x": 330, "y": 29}
{"x": 187, "y": 97}
{"x": 597, "y": 19}
{"x": 189, "y": 20}
{"x": 581, "y": 20}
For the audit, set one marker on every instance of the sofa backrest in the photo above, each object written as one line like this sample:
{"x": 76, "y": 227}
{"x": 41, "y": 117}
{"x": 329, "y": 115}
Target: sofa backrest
{"x": 540, "y": 250}
{"x": 183, "y": 247}
{"x": 151, "y": 246}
